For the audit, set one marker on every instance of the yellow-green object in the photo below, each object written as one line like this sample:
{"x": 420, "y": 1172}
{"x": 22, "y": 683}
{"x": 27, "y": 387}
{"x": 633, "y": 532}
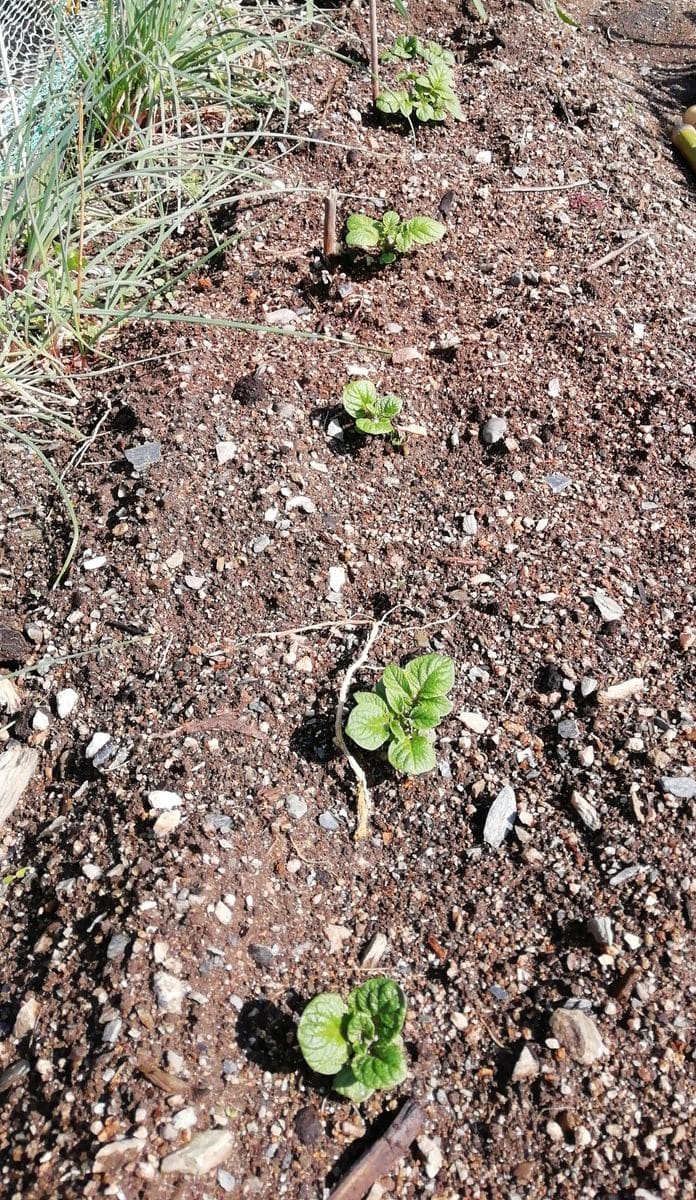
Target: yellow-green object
{"x": 690, "y": 115}
{"x": 684, "y": 138}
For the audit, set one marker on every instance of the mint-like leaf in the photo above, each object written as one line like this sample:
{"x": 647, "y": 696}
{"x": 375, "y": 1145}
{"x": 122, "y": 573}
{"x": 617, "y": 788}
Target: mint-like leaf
{"x": 320, "y": 1034}
{"x": 347, "y": 1084}
{"x": 397, "y": 688}
{"x": 414, "y": 754}
{"x": 384, "y": 1066}
{"x": 368, "y": 723}
{"x": 363, "y": 231}
{"x": 359, "y": 396}
{"x": 424, "y": 230}
{"x": 427, "y": 714}
{"x": 384, "y": 1002}
{"x": 374, "y": 425}
{"x": 430, "y": 676}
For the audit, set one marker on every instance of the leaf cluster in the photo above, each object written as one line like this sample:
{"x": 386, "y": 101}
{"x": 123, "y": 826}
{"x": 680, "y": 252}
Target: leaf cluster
{"x": 372, "y": 412}
{"x": 426, "y": 94}
{"x": 390, "y": 235}
{"x": 404, "y": 709}
{"x": 358, "y": 1040}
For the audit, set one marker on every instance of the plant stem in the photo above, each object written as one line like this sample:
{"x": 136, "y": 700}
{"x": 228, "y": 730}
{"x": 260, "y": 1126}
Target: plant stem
{"x": 330, "y": 225}
{"x": 374, "y": 51}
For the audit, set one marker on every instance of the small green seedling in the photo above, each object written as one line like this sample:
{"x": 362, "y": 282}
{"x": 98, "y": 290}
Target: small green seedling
{"x": 372, "y": 412}
{"x": 390, "y": 235}
{"x": 358, "y": 1041}
{"x": 404, "y": 710}
{"x": 427, "y": 95}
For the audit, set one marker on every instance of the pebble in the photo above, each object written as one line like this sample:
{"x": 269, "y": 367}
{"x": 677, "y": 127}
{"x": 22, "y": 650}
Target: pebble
{"x": 526, "y": 1067}
{"x": 586, "y": 811}
{"x": 93, "y": 563}
{"x": 620, "y": 691}
{"x": 374, "y": 951}
{"x": 226, "y": 1181}
{"x": 308, "y": 1126}
{"x": 223, "y": 913}
{"x": 115, "y": 1155}
{"x": 557, "y": 482}
{"x": 204, "y": 1153}
{"x": 484, "y": 158}
{"x": 328, "y": 822}
{"x": 40, "y": 721}
{"x": 145, "y": 455}
{"x": 586, "y": 756}
{"x": 431, "y": 1154}
{"x": 118, "y": 944}
{"x": 337, "y": 579}
{"x": 625, "y": 875}
{"x": 609, "y": 610}
{"x": 262, "y": 955}
{"x": 501, "y": 817}
{"x": 194, "y": 582}
{"x": 295, "y": 806}
{"x": 302, "y": 502}
{"x": 281, "y": 316}
{"x": 66, "y": 700}
{"x": 336, "y": 935}
{"x": 166, "y": 823}
{"x": 169, "y": 992}
{"x": 26, "y": 1018}
{"x": 217, "y": 823}
{"x": 588, "y": 685}
{"x": 97, "y": 743}
{"x": 469, "y": 525}
{"x": 493, "y": 430}
{"x": 164, "y": 800}
{"x": 475, "y": 721}
{"x": 185, "y": 1118}
{"x": 578, "y": 1035}
{"x": 602, "y": 930}
{"x": 568, "y": 729}
{"x": 261, "y": 543}
{"x": 13, "y": 1074}
{"x": 224, "y": 451}
{"x": 683, "y": 787}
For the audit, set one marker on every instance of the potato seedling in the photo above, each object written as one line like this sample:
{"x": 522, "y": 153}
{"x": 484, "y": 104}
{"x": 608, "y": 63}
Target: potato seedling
{"x": 427, "y": 95}
{"x": 404, "y": 710}
{"x": 358, "y": 1040}
{"x": 372, "y": 412}
{"x": 390, "y": 235}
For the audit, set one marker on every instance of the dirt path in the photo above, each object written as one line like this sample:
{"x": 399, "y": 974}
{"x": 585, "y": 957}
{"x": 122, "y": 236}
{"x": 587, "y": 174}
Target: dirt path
{"x": 158, "y": 948}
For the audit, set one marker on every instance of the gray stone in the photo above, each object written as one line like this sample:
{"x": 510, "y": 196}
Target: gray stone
{"x": 261, "y": 543}
{"x": 609, "y": 610}
{"x": 118, "y": 944}
{"x": 681, "y": 786}
{"x": 13, "y": 1074}
{"x": 493, "y": 430}
{"x": 170, "y": 992}
{"x": 66, "y": 699}
{"x": 328, "y": 822}
{"x": 578, "y": 1035}
{"x": 501, "y": 817}
{"x": 204, "y": 1153}
{"x": 568, "y": 729}
{"x": 26, "y": 1018}
{"x": 115, "y": 1155}
{"x": 296, "y": 806}
{"x": 526, "y": 1067}
{"x": 145, "y": 455}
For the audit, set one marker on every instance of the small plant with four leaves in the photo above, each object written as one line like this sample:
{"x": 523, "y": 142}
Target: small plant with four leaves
{"x": 390, "y": 235}
{"x": 372, "y": 412}
{"x": 404, "y": 710}
{"x": 427, "y": 94}
{"x": 357, "y": 1040}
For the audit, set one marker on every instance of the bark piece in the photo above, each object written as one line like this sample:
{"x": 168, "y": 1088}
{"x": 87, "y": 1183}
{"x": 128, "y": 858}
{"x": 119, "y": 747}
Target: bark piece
{"x": 386, "y": 1152}
{"x": 17, "y": 765}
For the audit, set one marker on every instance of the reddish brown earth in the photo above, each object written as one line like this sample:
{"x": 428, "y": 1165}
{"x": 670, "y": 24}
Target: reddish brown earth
{"x": 185, "y": 655}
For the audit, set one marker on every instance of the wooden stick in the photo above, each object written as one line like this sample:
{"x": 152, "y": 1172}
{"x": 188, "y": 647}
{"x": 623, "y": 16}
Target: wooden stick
{"x": 383, "y": 1156}
{"x": 602, "y": 262}
{"x": 374, "y": 51}
{"x": 330, "y": 225}
{"x": 549, "y": 187}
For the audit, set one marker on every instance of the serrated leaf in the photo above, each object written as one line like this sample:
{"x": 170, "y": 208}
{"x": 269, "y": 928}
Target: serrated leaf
{"x": 384, "y": 1066}
{"x": 320, "y": 1034}
{"x": 384, "y": 1002}
{"x": 374, "y": 425}
{"x": 389, "y": 101}
{"x": 413, "y": 755}
{"x": 397, "y": 688}
{"x": 430, "y": 676}
{"x": 347, "y": 1084}
{"x": 390, "y": 223}
{"x": 368, "y": 723}
{"x": 424, "y": 230}
{"x": 359, "y": 396}
{"x": 390, "y": 405}
{"x": 405, "y": 105}
{"x": 428, "y": 713}
{"x": 426, "y": 112}
{"x": 403, "y": 240}
{"x": 387, "y": 257}
{"x": 362, "y": 231}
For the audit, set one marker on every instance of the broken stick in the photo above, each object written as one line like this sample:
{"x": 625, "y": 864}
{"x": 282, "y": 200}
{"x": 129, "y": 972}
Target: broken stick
{"x": 386, "y": 1152}
{"x": 17, "y": 765}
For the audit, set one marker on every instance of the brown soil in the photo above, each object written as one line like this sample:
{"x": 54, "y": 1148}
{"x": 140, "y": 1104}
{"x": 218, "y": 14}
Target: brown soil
{"x": 491, "y": 554}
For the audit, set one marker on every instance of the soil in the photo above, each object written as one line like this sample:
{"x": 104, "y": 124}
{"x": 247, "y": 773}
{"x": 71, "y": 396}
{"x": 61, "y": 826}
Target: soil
{"x": 210, "y": 619}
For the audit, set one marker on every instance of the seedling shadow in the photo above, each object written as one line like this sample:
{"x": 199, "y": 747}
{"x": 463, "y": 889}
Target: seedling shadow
{"x": 267, "y": 1034}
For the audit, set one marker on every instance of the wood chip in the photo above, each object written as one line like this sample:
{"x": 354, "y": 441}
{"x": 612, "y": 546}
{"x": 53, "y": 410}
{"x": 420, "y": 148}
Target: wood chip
{"x": 386, "y": 1152}
{"x": 164, "y": 1080}
{"x": 17, "y": 765}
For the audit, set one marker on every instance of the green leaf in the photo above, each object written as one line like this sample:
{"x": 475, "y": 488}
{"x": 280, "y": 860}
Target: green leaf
{"x": 390, "y": 101}
{"x": 387, "y": 257}
{"x": 480, "y": 10}
{"x": 362, "y": 231}
{"x": 424, "y": 230}
{"x": 390, "y": 405}
{"x": 390, "y": 223}
{"x": 412, "y": 755}
{"x": 359, "y": 396}
{"x": 384, "y": 1002}
{"x": 401, "y": 8}
{"x": 397, "y": 688}
{"x": 346, "y": 1084}
{"x": 403, "y": 240}
{"x": 405, "y": 104}
{"x": 360, "y": 1028}
{"x": 376, "y": 425}
{"x": 429, "y": 713}
{"x": 430, "y": 676}
{"x": 320, "y": 1034}
{"x": 384, "y": 1066}
{"x": 368, "y": 723}
{"x": 565, "y": 17}
{"x": 425, "y": 112}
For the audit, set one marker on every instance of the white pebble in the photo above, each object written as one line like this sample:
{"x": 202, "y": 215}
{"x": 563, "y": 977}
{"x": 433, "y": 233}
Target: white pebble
{"x": 66, "y": 699}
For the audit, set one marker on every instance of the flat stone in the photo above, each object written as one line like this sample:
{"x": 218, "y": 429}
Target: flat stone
{"x": 475, "y": 721}
{"x": 185, "y": 1118}
{"x": 681, "y": 786}
{"x": 170, "y": 992}
{"x": 568, "y": 729}
{"x": 609, "y": 610}
{"x": 166, "y": 823}
{"x": 226, "y": 1181}
{"x": 217, "y": 823}
{"x": 620, "y": 691}
{"x": 493, "y": 430}
{"x": 328, "y": 822}
{"x": 223, "y": 913}
{"x": 261, "y": 543}
{"x": 164, "y": 800}
{"x": 26, "y": 1018}
{"x": 557, "y": 482}
{"x": 578, "y": 1035}
{"x": 296, "y": 807}
{"x": 97, "y": 743}
{"x": 601, "y": 930}
{"x": 501, "y": 817}
{"x": 66, "y": 700}
{"x": 374, "y": 950}
{"x": 145, "y": 455}
{"x": 526, "y": 1067}
{"x": 224, "y": 451}
{"x": 431, "y": 1154}
{"x": 40, "y": 721}
{"x": 586, "y": 811}
{"x": 115, "y": 1155}
{"x": 204, "y": 1153}
{"x": 13, "y": 1074}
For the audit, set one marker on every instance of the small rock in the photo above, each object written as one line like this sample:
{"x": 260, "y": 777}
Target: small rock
{"x": 493, "y": 430}
{"x": 97, "y": 743}
{"x": 261, "y": 543}
{"x": 568, "y": 729}
{"x": 166, "y": 823}
{"x": 175, "y": 560}
{"x": 469, "y": 525}
{"x": 194, "y": 582}
{"x": 40, "y": 721}
{"x": 26, "y": 1018}
{"x": 66, "y": 699}
{"x": 588, "y": 685}
{"x": 683, "y": 787}
{"x": 620, "y": 691}
{"x": 217, "y": 823}
{"x": 602, "y": 930}
{"x": 118, "y": 944}
{"x": 13, "y": 1074}
{"x": 226, "y": 1181}
{"x": 281, "y": 316}
{"x": 374, "y": 951}
{"x": 115, "y": 1155}
{"x": 111, "y": 1031}
{"x": 204, "y": 1153}
{"x": 223, "y": 913}
{"x": 475, "y": 721}
{"x": 145, "y": 455}
{"x": 624, "y": 876}
{"x": 557, "y": 482}
{"x": 185, "y": 1118}
{"x": 164, "y": 800}
{"x": 295, "y": 806}
{"x": 224, "y": 451}
{"x": 484, "y": 158}
{"x": 609, "y": 610}
{"x": 302, "y": 502}
{"x": 578, "y": 1035}
{"x": 554, "y": 1131}
{"x": 501, "y": 817}
{"x": 586, "y": 811}
{"x": 337, "y": 935}
{"x": 93, "y": 563}
{"x": 526, "y": 1067}
{"x": 308, "y": 1126}
{"x": 92, "y": 871}
{"x": 262, "y": 955}
{"x": 328, "y": 822}
{"x": 586, "y": 756}
{"x": 405, "y": 355}
{"x": 249, "y": 389}
{"x": 170, "y": 992}
{"x": 337, "y": 579}
{"x": 431, "y": 1154}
